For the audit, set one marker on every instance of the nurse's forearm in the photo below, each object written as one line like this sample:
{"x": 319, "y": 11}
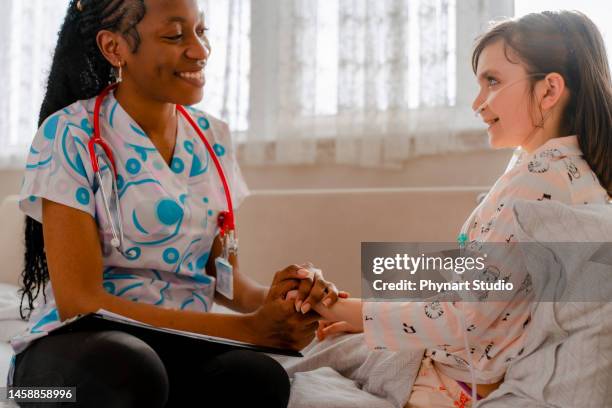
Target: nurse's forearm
{"x": 348, "y": 310}
{"x": 249, "y": 296}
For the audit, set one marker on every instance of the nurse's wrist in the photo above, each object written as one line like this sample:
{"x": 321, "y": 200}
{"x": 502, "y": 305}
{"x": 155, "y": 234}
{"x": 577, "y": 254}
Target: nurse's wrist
{"x": 251, "y": 333}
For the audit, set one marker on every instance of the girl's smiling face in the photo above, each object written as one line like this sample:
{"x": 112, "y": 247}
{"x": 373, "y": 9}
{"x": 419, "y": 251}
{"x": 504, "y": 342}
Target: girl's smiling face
{"x": 504, "y": 99}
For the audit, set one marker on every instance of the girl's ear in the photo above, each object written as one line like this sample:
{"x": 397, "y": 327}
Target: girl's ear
{"x": 552, "y": 89}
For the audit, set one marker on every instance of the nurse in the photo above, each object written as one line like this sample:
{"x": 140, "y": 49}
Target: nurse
{"x": 163, "y": 269}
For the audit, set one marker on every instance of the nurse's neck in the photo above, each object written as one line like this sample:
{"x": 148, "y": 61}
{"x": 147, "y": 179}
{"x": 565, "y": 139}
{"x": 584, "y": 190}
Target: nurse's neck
{"x": 157, "y": 119}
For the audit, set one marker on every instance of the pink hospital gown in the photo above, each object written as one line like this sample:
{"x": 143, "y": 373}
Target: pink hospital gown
{"x": 554, "y": 171}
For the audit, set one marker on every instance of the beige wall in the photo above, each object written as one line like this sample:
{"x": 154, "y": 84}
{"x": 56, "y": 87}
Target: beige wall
{"x": 465, "y": 169}
{"x": 10, "y": 182}
{"x": 327, "y": 227}
{"x": 280, "y": 228}
{"x": 322, "y": 214}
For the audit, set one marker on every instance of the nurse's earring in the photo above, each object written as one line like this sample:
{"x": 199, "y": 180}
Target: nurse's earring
{"x": 117, "y": 73}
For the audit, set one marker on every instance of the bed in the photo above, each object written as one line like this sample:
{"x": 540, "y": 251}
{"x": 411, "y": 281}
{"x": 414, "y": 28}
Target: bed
{"x": 548, "y": 375}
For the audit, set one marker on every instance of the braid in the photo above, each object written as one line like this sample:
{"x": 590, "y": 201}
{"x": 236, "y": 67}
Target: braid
{"x": 78, "y": 71}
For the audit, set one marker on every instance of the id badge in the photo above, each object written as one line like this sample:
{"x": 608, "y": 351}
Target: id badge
{"x": 225, "y": 277}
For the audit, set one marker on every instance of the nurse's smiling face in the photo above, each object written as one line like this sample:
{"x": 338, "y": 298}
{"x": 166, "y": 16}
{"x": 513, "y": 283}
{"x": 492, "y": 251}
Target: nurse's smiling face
{"x": 168, "y": 65}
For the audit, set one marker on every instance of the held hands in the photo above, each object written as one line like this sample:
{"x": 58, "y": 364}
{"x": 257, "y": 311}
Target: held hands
{"x": 314, "y": 290}
{"x": 276, "y": 323}
{"x": 319, "y": 295}
{"x": 326, "y": 327}
{"x": 289, "y": 315}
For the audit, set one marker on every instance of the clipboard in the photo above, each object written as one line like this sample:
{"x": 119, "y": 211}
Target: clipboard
{"x": 103, "y": 320}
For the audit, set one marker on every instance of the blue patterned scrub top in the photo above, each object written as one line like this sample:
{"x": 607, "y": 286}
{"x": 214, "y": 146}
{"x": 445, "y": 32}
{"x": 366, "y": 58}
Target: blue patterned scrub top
{"x": 169, "y": 212}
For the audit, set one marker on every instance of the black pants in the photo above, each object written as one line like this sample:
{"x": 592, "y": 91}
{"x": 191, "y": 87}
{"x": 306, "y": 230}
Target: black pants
{"x": 112, "y": 368}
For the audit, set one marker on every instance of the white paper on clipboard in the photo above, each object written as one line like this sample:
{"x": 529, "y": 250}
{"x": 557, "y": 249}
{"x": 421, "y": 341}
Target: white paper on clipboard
{"x": 110, "y": 316}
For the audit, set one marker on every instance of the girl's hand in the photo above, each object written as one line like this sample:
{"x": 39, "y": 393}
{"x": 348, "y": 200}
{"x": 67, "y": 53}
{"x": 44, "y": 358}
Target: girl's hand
{"x": 327, "y": 328}
{"x": 315, "y": 290}
{"x": 293, "y": 295}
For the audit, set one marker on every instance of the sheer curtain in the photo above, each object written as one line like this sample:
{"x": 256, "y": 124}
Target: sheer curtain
{"x": 375, "y": 76}
{"x": 29, "y": 32}
{"x": 226, "y": 94}
{"x": 365, "y": 82}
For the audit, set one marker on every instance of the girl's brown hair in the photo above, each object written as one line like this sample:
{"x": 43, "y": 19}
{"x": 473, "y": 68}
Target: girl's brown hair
{"x": 568, "y": 43}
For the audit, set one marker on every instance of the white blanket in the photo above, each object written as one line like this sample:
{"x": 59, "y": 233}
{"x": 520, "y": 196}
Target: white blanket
{"x": 567, "y": 360}
{"x": 341, "y": 372}
{"x": 10, "y": 321}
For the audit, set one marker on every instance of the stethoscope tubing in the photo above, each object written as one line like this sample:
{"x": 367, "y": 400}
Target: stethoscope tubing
{"x": 226, "y": 218}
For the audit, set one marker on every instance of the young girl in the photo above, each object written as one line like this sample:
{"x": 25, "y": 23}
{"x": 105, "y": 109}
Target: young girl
{"x": 160, "y": 262}
{"x": 544, "y": 88}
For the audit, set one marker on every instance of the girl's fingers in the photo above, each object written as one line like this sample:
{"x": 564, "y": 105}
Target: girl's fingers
{"x": 304, "y": 289}
{"x": 322, "y": 325}
{"x": 335, "y": 328}
{"x": 320, "y": 335}
{"x": 315, "y": 295}
{"x": 292, "y": 294}
{"x": 333, "y": 295}
{"x": 330, "y": 298}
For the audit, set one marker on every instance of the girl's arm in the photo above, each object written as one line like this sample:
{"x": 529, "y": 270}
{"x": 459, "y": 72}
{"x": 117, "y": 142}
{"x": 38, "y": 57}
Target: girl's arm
{"x": 75, "y": 264}
{"x": 348, "y": 310}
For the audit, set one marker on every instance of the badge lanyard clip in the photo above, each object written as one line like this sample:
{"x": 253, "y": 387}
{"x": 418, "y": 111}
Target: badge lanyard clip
{"x": 229, "y": 243}
{"x": 228, "y": 234}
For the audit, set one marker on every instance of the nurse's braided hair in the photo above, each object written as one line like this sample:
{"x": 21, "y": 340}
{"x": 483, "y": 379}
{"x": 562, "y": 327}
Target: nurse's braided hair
{"x": 78, "y": 71}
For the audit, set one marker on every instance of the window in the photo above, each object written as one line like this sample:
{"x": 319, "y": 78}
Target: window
{"x": 24, "y": 65}
{"x": 358, "y": 73}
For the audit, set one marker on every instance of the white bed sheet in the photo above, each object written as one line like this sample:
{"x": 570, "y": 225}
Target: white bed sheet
{"x": 10, "y": 325}
{"x": 6, "y": 352}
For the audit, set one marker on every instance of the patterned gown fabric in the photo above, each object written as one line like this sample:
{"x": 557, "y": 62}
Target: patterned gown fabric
{"x": 554, "y": 171}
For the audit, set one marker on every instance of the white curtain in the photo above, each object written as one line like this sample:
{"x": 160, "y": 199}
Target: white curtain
{"x": 28, "y": 31}
{"x": 394, "y": 77}
{"x": 226, "y": 94}
{"x": 365, "y": 82}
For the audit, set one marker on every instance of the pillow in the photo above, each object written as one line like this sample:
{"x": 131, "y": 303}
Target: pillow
{"x": 567, "y": 358}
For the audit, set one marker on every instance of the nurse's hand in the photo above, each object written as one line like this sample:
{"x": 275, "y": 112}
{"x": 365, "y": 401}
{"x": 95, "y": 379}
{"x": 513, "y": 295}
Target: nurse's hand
{"x": 314, "y": 290}
{"x": 276, "y": 323}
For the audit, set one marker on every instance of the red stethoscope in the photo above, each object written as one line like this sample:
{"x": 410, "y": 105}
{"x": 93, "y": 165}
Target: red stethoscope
{"x": 225, "y": 220}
